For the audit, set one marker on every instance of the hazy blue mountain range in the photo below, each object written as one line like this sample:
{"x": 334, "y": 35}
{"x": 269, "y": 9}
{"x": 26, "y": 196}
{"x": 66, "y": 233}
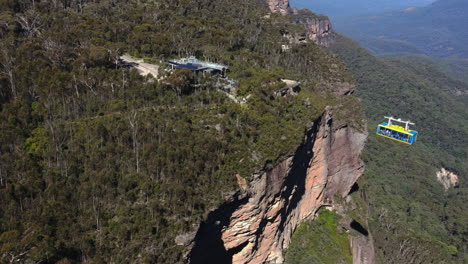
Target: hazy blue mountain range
{"x": 341, "y": 8}
{"x": 438, "y": 29}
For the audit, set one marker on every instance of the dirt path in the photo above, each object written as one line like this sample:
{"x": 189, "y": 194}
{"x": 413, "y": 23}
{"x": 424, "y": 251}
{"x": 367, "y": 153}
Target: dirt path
{"x": 143, "y": 67}
{"x": 147, "y": 68}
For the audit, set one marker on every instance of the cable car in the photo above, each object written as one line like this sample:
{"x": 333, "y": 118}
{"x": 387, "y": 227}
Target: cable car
{"x": 397, "y": 133}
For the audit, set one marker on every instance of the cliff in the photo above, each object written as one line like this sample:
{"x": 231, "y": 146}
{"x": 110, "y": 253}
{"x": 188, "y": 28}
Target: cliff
{"x": 318, "y": 28}
{"x": 256, "y": 225}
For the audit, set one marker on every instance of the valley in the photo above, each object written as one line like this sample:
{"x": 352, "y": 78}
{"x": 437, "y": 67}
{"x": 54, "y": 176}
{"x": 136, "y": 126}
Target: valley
{"x": 118, "y": 145}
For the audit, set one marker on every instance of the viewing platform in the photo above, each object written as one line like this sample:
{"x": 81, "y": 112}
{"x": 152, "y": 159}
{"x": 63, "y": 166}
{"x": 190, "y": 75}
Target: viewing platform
{"x": 197, "y": 66}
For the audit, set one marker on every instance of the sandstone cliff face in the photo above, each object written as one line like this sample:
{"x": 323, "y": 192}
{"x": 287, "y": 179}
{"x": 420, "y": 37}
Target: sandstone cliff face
{"x": 257, "y": 224}
{"x": 318, "y": 28}
{"x": 447, "y": 178}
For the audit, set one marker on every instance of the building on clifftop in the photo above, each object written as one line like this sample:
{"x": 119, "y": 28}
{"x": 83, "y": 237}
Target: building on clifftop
{"x": 197, "y": 66}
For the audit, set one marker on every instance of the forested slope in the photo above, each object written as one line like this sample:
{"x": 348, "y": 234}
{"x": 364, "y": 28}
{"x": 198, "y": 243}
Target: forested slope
{"x": 412, "y": 218}
{"x": 438, "y": 30}
{"x": 453, "y": 67}
{"x": 102, "y": 165}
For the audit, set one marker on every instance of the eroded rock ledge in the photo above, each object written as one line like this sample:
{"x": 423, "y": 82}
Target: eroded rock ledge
{"x": 256, "y": 225}
{"x": 447, "y": 178}
{"x": 318, "y": 27}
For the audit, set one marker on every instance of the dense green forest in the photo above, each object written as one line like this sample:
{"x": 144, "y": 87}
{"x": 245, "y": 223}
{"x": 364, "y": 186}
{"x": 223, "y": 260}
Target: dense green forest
{"x": 412, "y": 218}
{"x": 453, "y": 67}
{"x": 321, "y": 241}
{"x": 102, "y": 165}
{"x": 99, "y": 164}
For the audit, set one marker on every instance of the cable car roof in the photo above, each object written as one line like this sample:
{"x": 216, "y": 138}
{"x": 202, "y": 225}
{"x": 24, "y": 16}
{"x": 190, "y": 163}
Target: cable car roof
{"x": 397, "y": 128}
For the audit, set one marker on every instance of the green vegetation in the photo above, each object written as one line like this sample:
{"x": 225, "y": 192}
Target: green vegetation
{"x": 437, "y": 30}
{"x": 446, "y": 78}
{"x": 455, "y": 68}
{"x": 412, "y": 218}
{"x": 320, "y": 241}
{"x": 99, "y": 164}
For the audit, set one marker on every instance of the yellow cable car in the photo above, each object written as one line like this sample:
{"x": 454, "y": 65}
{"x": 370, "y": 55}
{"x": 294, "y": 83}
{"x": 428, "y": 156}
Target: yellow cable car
{"x": 397, "y": 133}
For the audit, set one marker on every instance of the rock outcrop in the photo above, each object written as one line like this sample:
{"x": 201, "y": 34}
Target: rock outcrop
{"x": 279, "y": 6}
{"x": 318, "y": 28}
{"x": 337, "y": 88}
{"x": 447, "y": 178}
{"x": 363, "y": 250}
{"x": 256, "y": 225}
{"x": 291, "y": 88}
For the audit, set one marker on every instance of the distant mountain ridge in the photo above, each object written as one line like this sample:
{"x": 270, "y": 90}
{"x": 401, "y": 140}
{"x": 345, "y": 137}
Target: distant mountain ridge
{"x": 342, "y": 8}
{"x": 438, "y": 29}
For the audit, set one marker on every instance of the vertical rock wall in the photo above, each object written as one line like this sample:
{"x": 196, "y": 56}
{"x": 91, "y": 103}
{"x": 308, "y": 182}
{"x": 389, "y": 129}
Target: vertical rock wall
{"x": 258, "y": 223}
{"x": 318, "y": 28}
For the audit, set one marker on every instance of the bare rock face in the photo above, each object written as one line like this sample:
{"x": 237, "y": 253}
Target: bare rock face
{"x": 447, "y": 178}
{"x": 279, "y": 6}
{"x": 257, "y": 225}
{"x": 363, "y": 249}
{"x": 338, "y": 88}
{"x": 319, "y": 28}
{"x": 291, "y": 88}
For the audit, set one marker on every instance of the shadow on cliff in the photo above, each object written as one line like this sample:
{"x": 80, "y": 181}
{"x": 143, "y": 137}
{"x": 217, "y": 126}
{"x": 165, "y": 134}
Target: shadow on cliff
{"x": 209, "y": 246}
{"x": 294, "y": 184}
{"x": 295, "y": 181}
